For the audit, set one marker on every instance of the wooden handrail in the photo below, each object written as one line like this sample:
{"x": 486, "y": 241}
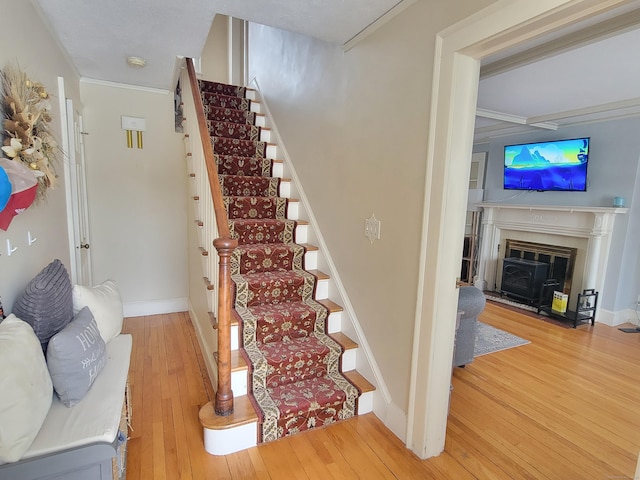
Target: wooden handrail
{"x": 212, "y": 169}
{"x": 225, "y": 245}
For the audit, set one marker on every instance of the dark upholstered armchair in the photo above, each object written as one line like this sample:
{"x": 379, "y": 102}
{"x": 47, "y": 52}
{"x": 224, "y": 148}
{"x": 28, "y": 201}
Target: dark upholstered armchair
{"x": 471, "y": 303}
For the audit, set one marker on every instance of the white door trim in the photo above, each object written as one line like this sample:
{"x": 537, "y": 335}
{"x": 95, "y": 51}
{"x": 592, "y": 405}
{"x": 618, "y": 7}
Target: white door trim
{"x": 455, "y": 85}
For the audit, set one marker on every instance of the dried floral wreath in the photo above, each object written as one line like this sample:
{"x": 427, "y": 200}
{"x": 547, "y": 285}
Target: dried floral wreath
{"x": 26, "y": 134}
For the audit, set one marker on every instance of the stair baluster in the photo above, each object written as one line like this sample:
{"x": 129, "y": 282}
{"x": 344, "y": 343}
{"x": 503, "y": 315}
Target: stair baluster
{"x": 224, "y": 245}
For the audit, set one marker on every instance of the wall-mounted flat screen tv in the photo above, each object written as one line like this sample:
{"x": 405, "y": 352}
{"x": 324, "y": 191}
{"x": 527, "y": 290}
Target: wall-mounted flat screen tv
{"x": 559, "y": 165}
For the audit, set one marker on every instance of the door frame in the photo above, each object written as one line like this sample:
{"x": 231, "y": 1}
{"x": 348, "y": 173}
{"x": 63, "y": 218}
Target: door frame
{"x": 459, "y": 49}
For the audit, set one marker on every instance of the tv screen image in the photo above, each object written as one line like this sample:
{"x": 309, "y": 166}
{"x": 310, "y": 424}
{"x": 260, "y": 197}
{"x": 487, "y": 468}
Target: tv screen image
{"x": 555, "y": 165}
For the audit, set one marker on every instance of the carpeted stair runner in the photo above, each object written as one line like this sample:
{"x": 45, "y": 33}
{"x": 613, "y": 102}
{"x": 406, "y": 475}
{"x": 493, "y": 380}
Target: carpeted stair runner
{"x": 295, "y": 367}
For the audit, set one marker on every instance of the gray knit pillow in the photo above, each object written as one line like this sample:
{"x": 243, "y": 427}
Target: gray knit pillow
{"x": 47, "y": 303}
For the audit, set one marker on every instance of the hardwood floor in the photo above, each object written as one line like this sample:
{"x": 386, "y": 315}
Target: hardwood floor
{"x": 563, "y": 407}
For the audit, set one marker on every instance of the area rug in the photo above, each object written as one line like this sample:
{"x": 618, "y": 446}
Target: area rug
{"x": 490, "y": 340}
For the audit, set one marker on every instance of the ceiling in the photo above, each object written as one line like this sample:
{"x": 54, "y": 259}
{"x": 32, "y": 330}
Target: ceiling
{"x": 98, "y": 36}
{"x": 587, "y": 72}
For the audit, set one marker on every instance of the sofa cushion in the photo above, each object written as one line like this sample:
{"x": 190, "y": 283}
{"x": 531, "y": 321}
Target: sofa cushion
{"x": 25, "y": 385}
{"x": 105, "y": 305}
{"x": 75, "y": 356}
{"x": 46, "y": 303}
{"x": 96, "y": 419}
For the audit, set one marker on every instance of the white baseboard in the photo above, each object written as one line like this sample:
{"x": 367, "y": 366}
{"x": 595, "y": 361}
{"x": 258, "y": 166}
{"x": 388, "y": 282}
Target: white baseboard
{"x": 155, "y": 307}
{"x": 393, "y": 417}
{"x": 613, "y": 319}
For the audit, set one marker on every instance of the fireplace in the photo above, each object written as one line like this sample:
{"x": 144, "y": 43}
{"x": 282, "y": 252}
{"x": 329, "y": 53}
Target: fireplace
{"x": 560, "y": 259}
{"x": 588, "y": 230}
{"x": 523, "y": 278}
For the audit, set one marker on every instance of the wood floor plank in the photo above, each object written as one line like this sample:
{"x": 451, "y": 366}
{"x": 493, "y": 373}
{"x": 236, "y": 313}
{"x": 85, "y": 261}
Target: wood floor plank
{"x": 241, "y": 466}
{"x": 358, "y": 454}
{"x": 281, "y": 461}
{"x": 390, "y": 449}
{"x": 563, "y": 406}
{"x": 317, "y": 460}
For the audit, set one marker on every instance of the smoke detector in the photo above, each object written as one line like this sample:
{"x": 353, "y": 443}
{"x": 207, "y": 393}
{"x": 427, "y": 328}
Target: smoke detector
{"x": 136, "y": 61}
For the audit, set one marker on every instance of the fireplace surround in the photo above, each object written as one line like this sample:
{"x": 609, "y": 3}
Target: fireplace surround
{"x": 586, "y": 229}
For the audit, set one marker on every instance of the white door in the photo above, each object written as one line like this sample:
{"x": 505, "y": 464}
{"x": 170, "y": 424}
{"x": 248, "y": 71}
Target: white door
{"x": 76, "y": 193}
{"x": 79, "y": 196}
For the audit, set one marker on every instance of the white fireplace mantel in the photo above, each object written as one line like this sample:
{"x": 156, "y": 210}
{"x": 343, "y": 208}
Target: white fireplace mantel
{"x": 592, "y": 223}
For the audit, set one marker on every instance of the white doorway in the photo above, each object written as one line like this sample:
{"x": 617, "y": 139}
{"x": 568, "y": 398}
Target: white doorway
{"x": 76, "y": 191}
{"x": 456, "y": 73}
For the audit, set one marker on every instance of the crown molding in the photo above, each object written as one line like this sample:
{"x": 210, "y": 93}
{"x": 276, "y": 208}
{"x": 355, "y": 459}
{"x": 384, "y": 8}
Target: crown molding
{"x": 105, "y": 83}
{"x": 399, "y": 7}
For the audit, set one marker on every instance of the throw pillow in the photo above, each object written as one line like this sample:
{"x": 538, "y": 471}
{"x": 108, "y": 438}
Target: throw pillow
{"x": 47, "y": 303}
{"x": 105, "y": 304}
{"x": 76, "y": 355}
{"x": 26, "y": 388}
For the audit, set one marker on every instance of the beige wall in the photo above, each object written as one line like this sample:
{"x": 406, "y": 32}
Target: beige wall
{"x": 137, "y": 198}
{"x": 215, "y": 65}
{"x": 26, "y": 40}
{"x": 355, "y": 127}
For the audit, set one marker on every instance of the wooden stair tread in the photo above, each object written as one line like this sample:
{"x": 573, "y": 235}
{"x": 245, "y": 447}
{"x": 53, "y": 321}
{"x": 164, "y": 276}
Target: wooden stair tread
{"x": 359, "y": 381}
{"x": 344, "y": 340}
{"x": 238, "y": 362}
{"x": 318, "y": 274}
{"x": 308, "y": 247}
{"x": 214, "y": 321}
{"x": 332, "y": 306}
{"x": 243, "y": 414}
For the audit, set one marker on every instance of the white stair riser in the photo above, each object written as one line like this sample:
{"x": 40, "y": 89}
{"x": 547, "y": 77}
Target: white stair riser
{"x": 256, "y": 107}
{"x": 239, "y": 382}
{"x": 235, "y": 337}
{"x": 261, "y": 121}
{"x": 322, "y": 289}
{"x": 349, "y": 359}
{"x": 278, "y": 170}
{"x": 265, "y": 135}
{"x": 231, "y": 440}
{"x": 272, "y": 151}
{"x": 292, "y": 210}
{"x": 250, "y": 94}
{"x": 365, "y": 403}
{"x": 311, "y": 260}
{"x": 334, "y": 324}
{"x": 285, "y": 189}
{"x": 301, "y": 234}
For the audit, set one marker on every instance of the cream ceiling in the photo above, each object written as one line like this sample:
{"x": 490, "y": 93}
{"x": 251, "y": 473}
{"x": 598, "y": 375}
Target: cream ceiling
{"x": 588, "y": 72}
{"x": 99, "y": 35}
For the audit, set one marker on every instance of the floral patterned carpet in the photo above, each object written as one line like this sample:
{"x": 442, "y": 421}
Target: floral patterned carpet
{"x": 295, "y": 369}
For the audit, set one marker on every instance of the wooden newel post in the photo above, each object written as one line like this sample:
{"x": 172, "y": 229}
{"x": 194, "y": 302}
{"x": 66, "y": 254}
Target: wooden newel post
{"x": 224, "y": 395}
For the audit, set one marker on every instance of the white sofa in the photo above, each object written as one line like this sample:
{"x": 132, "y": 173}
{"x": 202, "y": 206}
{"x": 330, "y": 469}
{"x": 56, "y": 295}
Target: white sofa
{"x": 63, "y": 381}
{"x": 80, "y": 443}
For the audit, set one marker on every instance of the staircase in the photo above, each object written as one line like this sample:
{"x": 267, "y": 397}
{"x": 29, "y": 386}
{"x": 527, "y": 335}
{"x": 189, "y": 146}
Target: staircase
{"x": 292, "y": 368}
